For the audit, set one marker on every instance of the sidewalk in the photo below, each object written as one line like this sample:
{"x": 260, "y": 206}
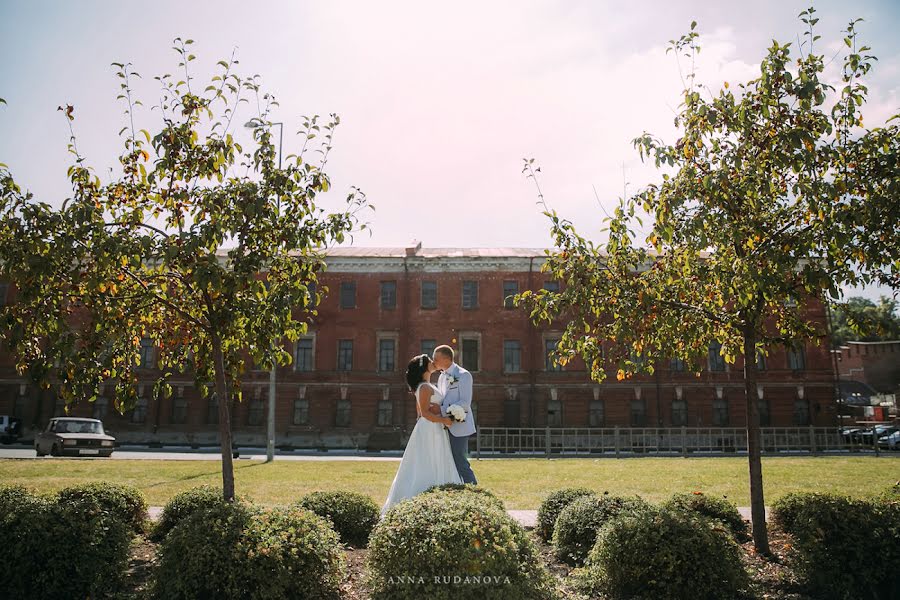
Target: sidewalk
{"x": 526, "y": 518}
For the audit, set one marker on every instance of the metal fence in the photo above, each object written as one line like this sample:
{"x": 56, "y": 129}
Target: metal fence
{"x": 661, "y": 441}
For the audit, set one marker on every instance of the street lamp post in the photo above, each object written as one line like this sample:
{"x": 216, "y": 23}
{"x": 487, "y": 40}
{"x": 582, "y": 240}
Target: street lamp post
{"x": 270, "y": 429}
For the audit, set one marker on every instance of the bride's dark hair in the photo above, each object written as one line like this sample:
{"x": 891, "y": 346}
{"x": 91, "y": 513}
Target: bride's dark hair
{"x": 415, "y": 369}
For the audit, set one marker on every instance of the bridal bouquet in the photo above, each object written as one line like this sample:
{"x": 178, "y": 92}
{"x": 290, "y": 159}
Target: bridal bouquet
{"x": 457, "y": 413}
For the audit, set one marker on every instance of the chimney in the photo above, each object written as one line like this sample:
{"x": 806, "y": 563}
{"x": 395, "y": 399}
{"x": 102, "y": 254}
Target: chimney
{"x": 413, "y": 248}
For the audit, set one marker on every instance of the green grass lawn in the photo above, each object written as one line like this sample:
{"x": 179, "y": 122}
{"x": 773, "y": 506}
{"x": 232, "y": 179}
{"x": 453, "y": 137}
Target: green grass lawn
{"x": 521, "y": 483}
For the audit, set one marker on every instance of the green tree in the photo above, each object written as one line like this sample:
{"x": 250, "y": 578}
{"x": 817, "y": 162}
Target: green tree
{"x": 860, "y": 319}
{"x": 144, "y": 255}
{"x": 757, "y": 214}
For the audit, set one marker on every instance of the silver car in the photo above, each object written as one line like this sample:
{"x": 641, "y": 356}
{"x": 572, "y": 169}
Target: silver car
{"x": 71, "y": 436}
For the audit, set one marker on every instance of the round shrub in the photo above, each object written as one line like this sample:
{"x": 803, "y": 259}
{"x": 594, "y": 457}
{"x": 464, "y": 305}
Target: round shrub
{"x": 184, "y": 504}
{"x": 482, "y": 493}
{"x": 353, "y": 515}
{"x": 666, "y": 554}
{"x": 843, "y": 548}
{"x": 446, "y": 545}
{"x": 70, "y": 547}
{"x": 710, "y": 507}
{"x": 553, "y": 505}
{"x": 122, "y": 501}
{"x": 234, "y": 551}
{"x": 577, "y": 525}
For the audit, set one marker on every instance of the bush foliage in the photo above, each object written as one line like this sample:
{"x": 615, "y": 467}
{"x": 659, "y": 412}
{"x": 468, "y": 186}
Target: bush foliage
{"x": 664, "y": 553}
{"x": 718, "y": 509}
{"x": 124, "y": 501}
{"x": 843, "y": 548}
{"x": 444, "y": 545}
{"x": 554, "y": 504}
{"x": 483, "y": 493}
{"x": 233, "y": 550}
{"x": 577, "y": 525}
{"x": 351, "y": 514}
{"x": 183, "y": 505}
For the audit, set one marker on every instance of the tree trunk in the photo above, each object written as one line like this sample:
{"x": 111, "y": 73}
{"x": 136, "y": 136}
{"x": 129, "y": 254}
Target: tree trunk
{"x": 757, "y": 501}
{"x": 224, "y": 420}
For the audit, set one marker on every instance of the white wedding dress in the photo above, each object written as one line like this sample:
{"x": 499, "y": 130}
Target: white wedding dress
{"x": 427, "y": 460}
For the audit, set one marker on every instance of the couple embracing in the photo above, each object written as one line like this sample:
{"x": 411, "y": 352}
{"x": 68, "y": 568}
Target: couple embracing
{"x": 436, "y": 451}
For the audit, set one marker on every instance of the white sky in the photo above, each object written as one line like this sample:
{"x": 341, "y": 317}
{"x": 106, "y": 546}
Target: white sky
{"x": 439, "y": 102}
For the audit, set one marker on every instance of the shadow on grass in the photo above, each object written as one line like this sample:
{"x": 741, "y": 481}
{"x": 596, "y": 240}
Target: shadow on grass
{"x": 202, "y": 475}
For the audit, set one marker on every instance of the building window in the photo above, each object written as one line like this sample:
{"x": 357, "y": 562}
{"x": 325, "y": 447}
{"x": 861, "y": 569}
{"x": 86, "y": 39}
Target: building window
{"x": 179, "y": 410}
{"x": 550, "y": 345}
{"x": 679, "y": 413}
{"x": 471, "y": 353}
{"x": 427, "y": 347}
{"x": 59, "y": 409}
{"x": 388, "y": 294}
{"x": 554, "y": 413}
{"x": 255, "y": 412}
{"x": 512, "y": 356}
{"x": 551, "y": 286}
{"x": 139, "y": 412}
{"x": 146, "y": 353}
{"x": 348, "y": 294}
{"x": 597, "y": 414}
{"x": 676, "y": 365}
{"x": 345, "y": 355}
{"x": 720, "y": 412}
{"x": 510, "y": 289}
{"x": 212, "y": 409}
{"x": 716, "y": 360}
{"x": 4, "y": 290}
{"x": 638, "y": 413}
{"x": 801, "y": 412}
{"x": 304, "y": 355}
{"x": 429, "y": 294}
{"x": 760, "y": 361}
{"x": 342, "y": 414}
{"x": 385, "y": 413}
{"x": 311, "y": 299}
{"x": 762, "y": 406}
{"x": 21, "y": 406}
{"x": 469, "y": 295}
{"x": 301, "y": 411}
{"x": 387, "y": 352}
{"x": 101, "y": 406}
{"x": 796, "y": 358}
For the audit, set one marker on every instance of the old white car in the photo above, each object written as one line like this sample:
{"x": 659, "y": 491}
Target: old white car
{"x": 71, "y": 436}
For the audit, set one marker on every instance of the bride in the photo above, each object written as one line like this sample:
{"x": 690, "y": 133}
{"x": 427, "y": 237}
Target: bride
{"x": 427, "y": 460}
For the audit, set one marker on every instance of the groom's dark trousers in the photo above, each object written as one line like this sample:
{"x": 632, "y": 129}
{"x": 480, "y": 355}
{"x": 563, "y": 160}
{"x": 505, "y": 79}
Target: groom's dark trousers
{"x": 459, "y": 445}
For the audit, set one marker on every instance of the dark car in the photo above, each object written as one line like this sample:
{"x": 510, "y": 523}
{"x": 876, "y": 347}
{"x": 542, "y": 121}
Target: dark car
{"x": 876, "y": 432}
{"x": 71, "y": 436}
{"x": 10, "y": 429}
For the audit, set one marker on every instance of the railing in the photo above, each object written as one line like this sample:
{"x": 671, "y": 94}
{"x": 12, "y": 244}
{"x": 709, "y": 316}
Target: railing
{"x": 660, "y": 441}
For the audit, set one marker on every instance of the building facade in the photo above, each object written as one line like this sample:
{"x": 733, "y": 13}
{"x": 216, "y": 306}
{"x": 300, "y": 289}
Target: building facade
{"x": 345, "y": 387}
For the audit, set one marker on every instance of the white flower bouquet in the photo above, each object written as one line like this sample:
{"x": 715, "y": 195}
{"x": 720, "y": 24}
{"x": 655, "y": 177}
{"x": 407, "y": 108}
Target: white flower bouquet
{"x": 457, "y": 413}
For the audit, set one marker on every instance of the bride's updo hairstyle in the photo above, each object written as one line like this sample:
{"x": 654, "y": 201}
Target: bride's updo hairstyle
{"x": 415, "y": 369}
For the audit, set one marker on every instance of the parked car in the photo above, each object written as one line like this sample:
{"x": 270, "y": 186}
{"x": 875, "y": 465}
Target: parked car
{"x": 878, "y": 431}
{"x": 851, "y": 434}
{"x": 70, "y": 436}
{"x": 891, "y": 440}
{"x": 10, "y": 429}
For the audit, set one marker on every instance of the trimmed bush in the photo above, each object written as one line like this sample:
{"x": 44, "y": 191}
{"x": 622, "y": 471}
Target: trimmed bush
{"x": 843, "y": 548}
{"x": 235, "y": 551}
{"x": 444, "y": 545}
{"x": 666, "y": 554}
{"x": 577, "y": 525}
{"x": 483, "y": 493}
{"x": 73, "y": 547}
{"x": 183, "y": 505}
{"x": 353, "y": 515}
{"x": 122, "y": 501}
{"x": 553, "y": 505}
{"x": 710, "y": 507}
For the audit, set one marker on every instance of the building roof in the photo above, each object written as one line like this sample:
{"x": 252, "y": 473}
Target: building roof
{"x": 398, "y": 252}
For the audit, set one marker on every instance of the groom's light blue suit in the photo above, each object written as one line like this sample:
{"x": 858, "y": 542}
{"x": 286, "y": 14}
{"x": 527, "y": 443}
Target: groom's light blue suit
{"x": 459, "y": 392}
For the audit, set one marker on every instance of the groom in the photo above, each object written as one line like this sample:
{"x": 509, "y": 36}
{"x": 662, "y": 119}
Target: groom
{"x": 455, "y": 383}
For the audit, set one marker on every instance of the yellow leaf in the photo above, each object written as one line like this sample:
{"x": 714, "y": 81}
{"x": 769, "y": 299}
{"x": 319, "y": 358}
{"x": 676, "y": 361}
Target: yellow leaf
{"x": 620, "y": 375}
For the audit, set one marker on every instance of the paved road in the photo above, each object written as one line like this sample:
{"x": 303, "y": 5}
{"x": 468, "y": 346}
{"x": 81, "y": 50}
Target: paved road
{"x": 139, "y": 453}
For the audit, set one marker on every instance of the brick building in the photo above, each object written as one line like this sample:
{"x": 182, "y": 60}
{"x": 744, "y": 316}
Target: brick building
{"x": 345, "y": 387}
{"x": 874, "y": 363}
